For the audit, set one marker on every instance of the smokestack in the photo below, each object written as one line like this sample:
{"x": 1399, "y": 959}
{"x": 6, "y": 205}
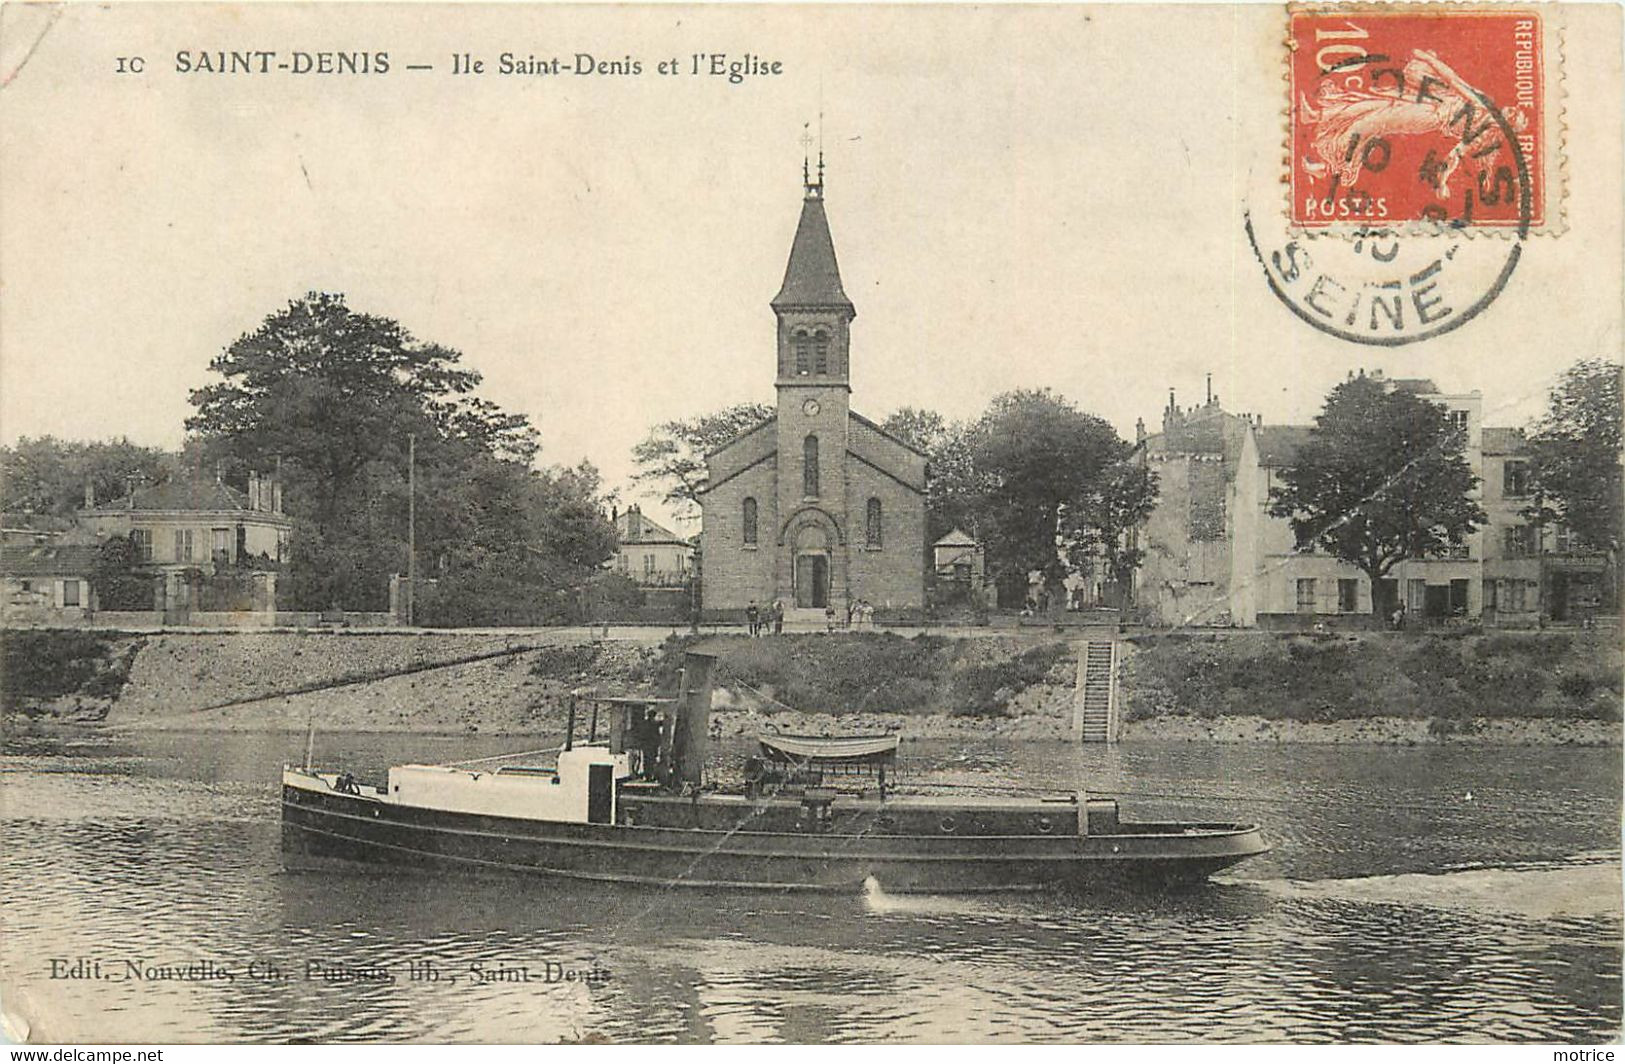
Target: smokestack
{"x": 694, "y": 709}
{"x": 1210, "y": 389}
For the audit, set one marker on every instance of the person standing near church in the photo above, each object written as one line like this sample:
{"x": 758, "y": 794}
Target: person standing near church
{"x": 753, "y": 619}
{"x": 778, "y": 616}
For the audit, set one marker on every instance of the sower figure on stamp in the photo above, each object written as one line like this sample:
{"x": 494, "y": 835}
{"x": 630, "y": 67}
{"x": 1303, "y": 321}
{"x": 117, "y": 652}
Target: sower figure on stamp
{"x": 1354, "y": 114}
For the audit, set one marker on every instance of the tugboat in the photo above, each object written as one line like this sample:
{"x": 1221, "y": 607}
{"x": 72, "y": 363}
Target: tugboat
{"x": 813, "y": 814}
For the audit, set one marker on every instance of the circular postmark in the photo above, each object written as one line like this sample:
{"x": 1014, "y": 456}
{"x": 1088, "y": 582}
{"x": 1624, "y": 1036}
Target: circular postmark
{"x": 1395, "y": 283}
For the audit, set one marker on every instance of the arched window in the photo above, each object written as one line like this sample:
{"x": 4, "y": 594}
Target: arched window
{"x": 749, "y": 522}
{"x": 809, "y": 466}
{"x": 803, "y": 354}
{"x": 820, "y": 353}
{"x": 871, "y": 525}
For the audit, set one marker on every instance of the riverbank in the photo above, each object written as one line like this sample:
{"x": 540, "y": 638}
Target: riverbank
{"x": 1500, "y": 688}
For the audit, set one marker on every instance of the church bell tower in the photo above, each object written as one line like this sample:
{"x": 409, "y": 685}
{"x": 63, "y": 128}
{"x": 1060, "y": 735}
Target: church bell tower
{"x": 814, "y": 398}
{"x": 814, "y": 315}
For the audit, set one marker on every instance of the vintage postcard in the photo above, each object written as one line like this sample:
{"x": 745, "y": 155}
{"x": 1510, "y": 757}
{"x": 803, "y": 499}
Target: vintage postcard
{"x": 533, "y": 523}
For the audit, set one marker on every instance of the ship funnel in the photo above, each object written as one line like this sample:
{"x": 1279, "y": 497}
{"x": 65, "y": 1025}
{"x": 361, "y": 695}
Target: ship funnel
{"x": 693, "y": 718}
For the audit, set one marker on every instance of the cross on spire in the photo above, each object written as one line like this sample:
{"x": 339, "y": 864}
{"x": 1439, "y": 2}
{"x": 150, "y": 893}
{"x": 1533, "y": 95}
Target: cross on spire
{"x": 814, "y": 187}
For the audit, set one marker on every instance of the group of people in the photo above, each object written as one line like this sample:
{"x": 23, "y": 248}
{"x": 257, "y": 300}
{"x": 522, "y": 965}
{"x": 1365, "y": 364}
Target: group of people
{"x": 759, "y": 620}
{"x": 860, "y": 613}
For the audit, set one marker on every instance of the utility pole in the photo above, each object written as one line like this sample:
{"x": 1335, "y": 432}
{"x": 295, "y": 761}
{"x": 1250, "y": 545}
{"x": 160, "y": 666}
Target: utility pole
{"x": 411, "y": 529}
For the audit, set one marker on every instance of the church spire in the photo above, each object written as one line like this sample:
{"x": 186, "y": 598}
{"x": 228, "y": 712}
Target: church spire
{"x": 812, "y": 278}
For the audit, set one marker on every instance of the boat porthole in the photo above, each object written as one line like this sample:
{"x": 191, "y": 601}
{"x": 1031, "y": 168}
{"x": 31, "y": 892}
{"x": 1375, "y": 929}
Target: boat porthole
{"x": 1117, "y": 849}
{"x": 1045, "y": 825}
{"x": 948, "y": 823}
{"x": 375, "y": 813}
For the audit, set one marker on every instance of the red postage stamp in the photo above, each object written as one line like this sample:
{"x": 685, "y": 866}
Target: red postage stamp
{"x": 1418, "y": 115}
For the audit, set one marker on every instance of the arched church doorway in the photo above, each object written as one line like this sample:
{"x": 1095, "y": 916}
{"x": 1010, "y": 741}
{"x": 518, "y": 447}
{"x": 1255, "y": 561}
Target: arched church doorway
{"x": 810, "y": 572}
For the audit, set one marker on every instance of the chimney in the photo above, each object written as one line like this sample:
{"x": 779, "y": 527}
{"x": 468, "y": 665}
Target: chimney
{"x": 276, "y": 496}
{"x": 90, "y": 494}
{"x": 1139, "y": 430}
{"x": 1210, "y": 389}
{"x": 254, "y": 499}
{"x": 129, "y": 493}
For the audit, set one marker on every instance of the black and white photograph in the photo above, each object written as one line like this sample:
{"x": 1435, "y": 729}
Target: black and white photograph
{"x": 803, "y": 524}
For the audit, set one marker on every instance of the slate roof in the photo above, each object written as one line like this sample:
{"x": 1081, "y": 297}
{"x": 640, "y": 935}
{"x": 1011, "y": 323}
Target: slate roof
{"x": 49, "y": 559}
{"x": 812, "y": 278}
{"x": 644, "y": 530}
{"x": 956, "y": 538}
{"x": 199, "y": 495}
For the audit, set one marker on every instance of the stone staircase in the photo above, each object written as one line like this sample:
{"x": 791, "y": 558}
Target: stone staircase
{"x": 1094, "y": 699}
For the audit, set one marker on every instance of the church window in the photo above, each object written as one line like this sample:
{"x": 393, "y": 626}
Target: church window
{"x": 871, "y": 526}
{"x": 750, "y": 521}
{"x": 820, "y": 353}
{"x": 809, "y": 466}
{"x": 803, "y": 354}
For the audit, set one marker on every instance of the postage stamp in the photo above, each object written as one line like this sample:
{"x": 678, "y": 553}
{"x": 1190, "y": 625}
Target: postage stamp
{"x": 1432, "y": 115}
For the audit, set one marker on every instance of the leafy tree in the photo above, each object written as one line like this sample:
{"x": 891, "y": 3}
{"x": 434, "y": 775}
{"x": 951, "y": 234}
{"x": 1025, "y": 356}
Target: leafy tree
{"x": 1098, "y": 525}
{"x": 332, "y": 397}
{"x": 1381, "y": 479}
{"x": 1033, "y": 455}
{"x": 45, "y": 475}
{"x": 118, "y": 585}
{"x": 952, "y": 487}
{"x": 672, "y": 458}
{"x": 1575, "y": 472}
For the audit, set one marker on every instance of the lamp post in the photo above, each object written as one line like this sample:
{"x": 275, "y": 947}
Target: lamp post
{"x": 411, "y": 530}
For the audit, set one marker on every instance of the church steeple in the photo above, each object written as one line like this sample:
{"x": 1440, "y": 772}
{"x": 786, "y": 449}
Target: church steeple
{"x": 814, "y": 314}
{"x": 812, "y": 279}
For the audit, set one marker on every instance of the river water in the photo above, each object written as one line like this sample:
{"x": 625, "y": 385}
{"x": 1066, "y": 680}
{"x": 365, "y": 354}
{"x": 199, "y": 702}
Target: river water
{"x": 1445, "y": 893}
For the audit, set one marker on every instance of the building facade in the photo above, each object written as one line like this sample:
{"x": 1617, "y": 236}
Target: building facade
{"x": 816, "y": 506}
{"x": 649, "y": 554}
{"x": 187, "y": 528}
{"x": 1214, "y": 555}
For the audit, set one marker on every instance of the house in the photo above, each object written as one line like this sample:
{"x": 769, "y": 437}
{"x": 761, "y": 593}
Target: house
{"x": 817, "y": 506}
{"x": 193, "y": 533}
{"x": 48, "y": 582}
{"x": 648, "y": 553}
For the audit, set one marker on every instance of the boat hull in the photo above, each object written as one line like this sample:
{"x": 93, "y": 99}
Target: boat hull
{"x": 321, "y": 827}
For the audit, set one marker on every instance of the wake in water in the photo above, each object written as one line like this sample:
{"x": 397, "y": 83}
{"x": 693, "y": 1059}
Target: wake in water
{"x": 877, "y": 901}
{"x": 1586, "y": 885}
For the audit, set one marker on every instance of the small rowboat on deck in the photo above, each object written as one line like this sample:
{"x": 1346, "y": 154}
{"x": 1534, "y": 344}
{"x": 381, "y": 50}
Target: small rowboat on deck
{"x": 828, "y": 748}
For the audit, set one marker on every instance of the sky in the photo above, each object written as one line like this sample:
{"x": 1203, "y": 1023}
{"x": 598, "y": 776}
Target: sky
{"x": 1019, "y": 197}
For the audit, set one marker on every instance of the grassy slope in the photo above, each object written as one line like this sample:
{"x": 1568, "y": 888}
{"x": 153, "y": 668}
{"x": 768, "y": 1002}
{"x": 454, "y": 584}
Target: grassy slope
{"x": 1452, "y": 677}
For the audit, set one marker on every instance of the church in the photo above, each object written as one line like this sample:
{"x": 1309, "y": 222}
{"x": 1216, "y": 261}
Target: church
{"x": 816, "y": 506}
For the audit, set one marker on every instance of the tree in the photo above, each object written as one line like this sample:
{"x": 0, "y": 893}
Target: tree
{"x": 331, "y": 391}
{"x": 952, "y": 485}
{"x": 119, "y": 586}
{"x": 1575, "y": 452}
{"x": 46, "y": 475}
{"x": 672, "y": 458}
{"x": 1032, "y": 455}
{"x": 1098, "y": 527}
{"x": 1381, "y": 479}
{"x": 332, "y": 397}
